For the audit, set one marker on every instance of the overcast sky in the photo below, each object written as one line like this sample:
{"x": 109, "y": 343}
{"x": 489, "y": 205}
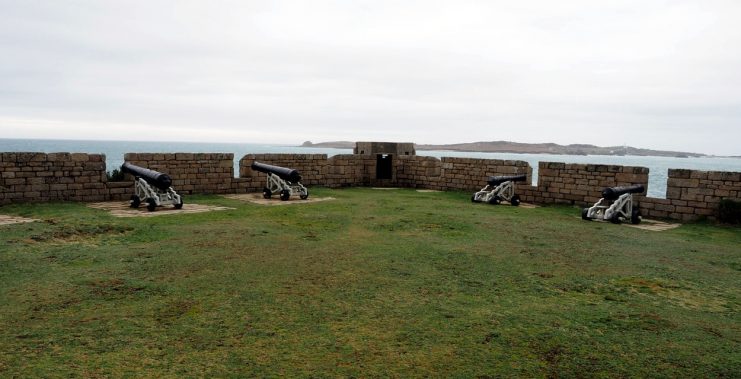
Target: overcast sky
{"x": 648, "y": 73}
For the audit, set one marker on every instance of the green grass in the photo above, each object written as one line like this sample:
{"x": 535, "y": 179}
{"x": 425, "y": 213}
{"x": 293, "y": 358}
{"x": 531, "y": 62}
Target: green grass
{"x": 373, "y": 284}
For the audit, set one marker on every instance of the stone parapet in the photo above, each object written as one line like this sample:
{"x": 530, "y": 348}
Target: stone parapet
{"x": 692, "y": 194}
{"x": 33, "y": 177}
{"x": 191, "y": 173}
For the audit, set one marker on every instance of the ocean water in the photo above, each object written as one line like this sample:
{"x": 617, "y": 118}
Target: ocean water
{"x": 115, "y": 150}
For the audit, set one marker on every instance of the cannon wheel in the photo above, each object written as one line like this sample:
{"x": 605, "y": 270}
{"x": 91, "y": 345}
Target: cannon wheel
{"x": 635, "y": 217}
{"x": 473, "y": 199}
{"x": 135, "y": 201}
{"x": 179, "y": 205}
{"x": 151, "y": 204}
{"x": 515, "y": 200}
{"x": 616, "y": 219}
{"x": 584, "y": 213}
{"x": 285, "y": 195}
{"x": 266, "y": 193}
{"x": 304, "y": 196}
{"x": 495, "y": 200}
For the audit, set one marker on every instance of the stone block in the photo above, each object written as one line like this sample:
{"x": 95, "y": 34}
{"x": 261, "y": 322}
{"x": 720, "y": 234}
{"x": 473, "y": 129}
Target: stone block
{"x": 694, "y": 174}
{"x": 684, "y": 209}
{"x": 679, "y": 173}
{"x": 724, "y": 176}
{"x": 681, "y": 182}
{"x": 79, "y": 157}
{"x": 663, "y": 207}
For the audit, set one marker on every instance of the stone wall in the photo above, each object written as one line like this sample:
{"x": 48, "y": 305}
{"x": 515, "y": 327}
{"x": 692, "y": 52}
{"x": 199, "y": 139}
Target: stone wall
{"x": 691, "y": 195}
{"x": 349, "y": 170}
{"x": 582, "y": 184}
{"x": 191, "y": 173}
{"x": 470, "y": 174}
{"x": 414, "y": 171}
{"x": 316, "y": 169}
{"x": 312, "y": 168}
{"x": 26, "y": 177}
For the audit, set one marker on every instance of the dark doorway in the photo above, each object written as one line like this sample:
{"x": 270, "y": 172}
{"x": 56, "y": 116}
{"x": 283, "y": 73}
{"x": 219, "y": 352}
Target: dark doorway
{"x": 383, "y": 166}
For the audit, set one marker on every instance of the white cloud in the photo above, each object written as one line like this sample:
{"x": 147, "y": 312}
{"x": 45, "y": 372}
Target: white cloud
{"x": 656, "y": 74}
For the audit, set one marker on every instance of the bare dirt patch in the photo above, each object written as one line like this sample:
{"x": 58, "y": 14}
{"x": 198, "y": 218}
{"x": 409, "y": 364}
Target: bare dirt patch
{"x": 654, "y": 225}
{"x": 8, "y": 220}
{"x": 258, "y": 199}
{"x": 646, "y": 224}
{"x": 522, "y": 205}
{"x": 122, "y": 209}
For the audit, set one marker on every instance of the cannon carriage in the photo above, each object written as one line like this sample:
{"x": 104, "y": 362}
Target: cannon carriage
{"x": 282, "y": 181}
{"x": 616, "y": 205}
{"x": 151, "y": 187}
{"x": 498, "y": 189}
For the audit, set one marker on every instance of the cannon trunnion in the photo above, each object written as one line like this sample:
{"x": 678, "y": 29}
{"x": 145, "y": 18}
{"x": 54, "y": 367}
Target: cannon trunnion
{"x": 281, "y": 180}
{"x": 615, "y": 205}
{"x": 152, "y": 187}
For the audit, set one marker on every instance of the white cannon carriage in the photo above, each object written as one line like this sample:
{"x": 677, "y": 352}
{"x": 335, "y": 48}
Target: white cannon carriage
{"x": 498, "y": 189}
{"x": 281, "y": 180}
{"x": 616, "y": 205}
{"x": 152, "y": 187}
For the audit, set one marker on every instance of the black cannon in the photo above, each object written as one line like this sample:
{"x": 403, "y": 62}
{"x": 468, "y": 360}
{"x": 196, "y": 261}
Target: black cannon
{"x": 155, "y": 178}
{"x": 281, "y": 180}
{"x": 613, "y": 193}
{"x": 152, "y": 187}
{"x": 284, "y": 173}
{"x": 615, "y": 205}
{"x": 497, "y": 180}
{"x": 498, "y": 189}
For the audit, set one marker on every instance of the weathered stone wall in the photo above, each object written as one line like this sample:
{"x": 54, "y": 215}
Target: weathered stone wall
{"x": 26, "y": 177}
{"x": 471, "y": 174}
{"x": 691, "y": 195}
{"x": 32, "y": 177}
{"x": 349, "y": 170}
{"x": 582, "y": 184}
{"x": 414, "y": 171}
{"x": 316, "y": 169}
{"x": 312, "y": 168}
{"x": 191, "y": 173}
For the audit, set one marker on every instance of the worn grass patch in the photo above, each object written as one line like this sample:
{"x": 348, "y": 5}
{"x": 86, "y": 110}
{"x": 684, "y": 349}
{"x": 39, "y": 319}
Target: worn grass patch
{"x": 372, "y": 284}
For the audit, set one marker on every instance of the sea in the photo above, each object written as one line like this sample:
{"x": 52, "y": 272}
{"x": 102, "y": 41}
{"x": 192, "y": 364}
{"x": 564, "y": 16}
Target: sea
{"x": 115, "y": 150}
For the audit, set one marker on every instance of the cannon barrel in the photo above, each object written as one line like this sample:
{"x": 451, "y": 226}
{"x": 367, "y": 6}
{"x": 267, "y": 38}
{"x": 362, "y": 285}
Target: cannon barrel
{"x": 612, "y": 193}
{"x": 497, "y": 180}
{"x": 154, "y": 178}
{"x": 284, "y": 173}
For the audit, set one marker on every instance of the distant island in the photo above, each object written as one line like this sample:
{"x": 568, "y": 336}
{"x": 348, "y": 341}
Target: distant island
{"x": 528, "y": 148}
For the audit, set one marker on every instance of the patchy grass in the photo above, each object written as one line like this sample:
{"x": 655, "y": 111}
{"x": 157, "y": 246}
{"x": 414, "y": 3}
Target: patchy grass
{"x": 375, "y": 283}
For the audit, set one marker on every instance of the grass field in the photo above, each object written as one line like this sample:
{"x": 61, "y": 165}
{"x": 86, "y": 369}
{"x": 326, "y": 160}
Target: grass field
{"x": 394, "y": 283}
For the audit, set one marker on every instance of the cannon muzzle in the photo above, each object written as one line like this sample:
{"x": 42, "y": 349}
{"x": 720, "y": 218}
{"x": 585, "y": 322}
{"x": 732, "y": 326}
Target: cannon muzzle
{"x": 497, "y": 180}
{"x": 612, "y": 193}
{"x": 284, "y": 173}
{"x": 154, "y": 178}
